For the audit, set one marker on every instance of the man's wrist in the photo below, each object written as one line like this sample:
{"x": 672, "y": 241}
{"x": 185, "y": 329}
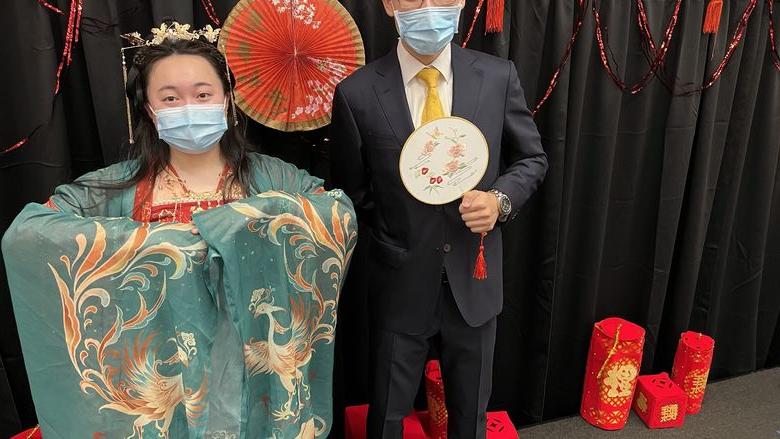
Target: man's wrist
{"x": 504, "y": 205}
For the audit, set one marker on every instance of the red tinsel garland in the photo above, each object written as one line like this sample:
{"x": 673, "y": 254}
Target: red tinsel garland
{"x": 16, "y": 145}
{"x": 212, "y": 14}
{"x": 659, "y": 56}
{"x": 47, "y": 5}
{"x": 775, "y": 56}
{"x": 564, "y": 59}
{"x": 71, "y": 37}
{"x": 477, "y": 10}
{"x": 660, "y": 53}
{"x": 648, "y": 43}
{"x": 739, "y": 33}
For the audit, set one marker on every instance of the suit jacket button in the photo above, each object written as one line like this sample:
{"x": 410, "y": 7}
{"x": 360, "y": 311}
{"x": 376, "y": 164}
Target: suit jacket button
{"x": 447, "y": 248}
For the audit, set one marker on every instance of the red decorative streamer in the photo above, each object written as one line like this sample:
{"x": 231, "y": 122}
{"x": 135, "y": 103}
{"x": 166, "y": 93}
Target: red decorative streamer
{"x": 739, "y": 33}
{"x": 564, "y": 59}
{"x": 659, "y": 56}
{"x": 210, "y": 11}
{"x": 649, "y": 44}
{"x": 473, "y": 23}
{"x": 603, "y": 49}
{"x": 770, "y": 11}
{"x": 47, "y": 5}
{"x": 71, "y": 38}
{"x": 736, "y": 39}
{"x": 16, "y": 145}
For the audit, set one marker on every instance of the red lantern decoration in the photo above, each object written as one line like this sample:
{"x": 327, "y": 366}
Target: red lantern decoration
{"x": 659, "y": 402}
{"x": 614, "y": 361}
{"x": 437, "y": 408}
{"x": 692, "y": 366}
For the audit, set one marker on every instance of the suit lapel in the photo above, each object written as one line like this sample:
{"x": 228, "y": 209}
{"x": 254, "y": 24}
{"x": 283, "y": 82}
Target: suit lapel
{"x": 467, "y": 86}
{"x": 390, "y": 92}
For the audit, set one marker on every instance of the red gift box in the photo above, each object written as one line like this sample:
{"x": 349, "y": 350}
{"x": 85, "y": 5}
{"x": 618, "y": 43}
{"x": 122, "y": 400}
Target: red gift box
{"x": 659, "y": 402}
{"x": 499, "y": 425}
{"x": 692, "y": 366}
{"x": 614, "y": 359}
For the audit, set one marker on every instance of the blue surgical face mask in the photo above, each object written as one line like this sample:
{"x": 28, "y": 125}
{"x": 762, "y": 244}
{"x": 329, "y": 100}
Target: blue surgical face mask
{"x": 427, "y": 31}
{"x": 192, "y": 129}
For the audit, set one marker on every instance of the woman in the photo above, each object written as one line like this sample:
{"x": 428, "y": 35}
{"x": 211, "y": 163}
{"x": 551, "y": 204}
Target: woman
{"x": 190, "y": 291}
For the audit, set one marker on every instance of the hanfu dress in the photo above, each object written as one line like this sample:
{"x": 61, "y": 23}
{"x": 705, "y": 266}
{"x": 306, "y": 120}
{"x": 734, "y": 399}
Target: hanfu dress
{"x": 133, "y": 326}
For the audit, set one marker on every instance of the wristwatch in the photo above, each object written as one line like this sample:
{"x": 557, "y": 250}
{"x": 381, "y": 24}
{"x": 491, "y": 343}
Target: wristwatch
{"x": 504, "y": 205}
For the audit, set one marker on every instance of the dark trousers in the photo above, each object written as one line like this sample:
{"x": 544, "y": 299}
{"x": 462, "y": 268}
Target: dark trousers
{"x": 466, "y": 356}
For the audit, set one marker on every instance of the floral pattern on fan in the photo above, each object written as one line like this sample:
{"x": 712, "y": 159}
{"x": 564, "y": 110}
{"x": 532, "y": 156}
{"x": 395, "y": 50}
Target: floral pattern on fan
{"x": 318, "y": 89}
{"x": 302, "y": 10}
{"x": 443, "y": 159}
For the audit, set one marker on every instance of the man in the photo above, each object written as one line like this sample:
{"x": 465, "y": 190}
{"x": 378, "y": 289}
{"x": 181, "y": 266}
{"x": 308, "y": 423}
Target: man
{"x": 422, "y": 256}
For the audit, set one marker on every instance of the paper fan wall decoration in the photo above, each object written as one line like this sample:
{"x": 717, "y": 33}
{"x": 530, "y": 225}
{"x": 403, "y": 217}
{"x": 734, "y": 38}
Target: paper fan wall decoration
{"x": 287, "y": 57}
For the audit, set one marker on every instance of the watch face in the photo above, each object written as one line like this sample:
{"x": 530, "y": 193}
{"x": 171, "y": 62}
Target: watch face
{"x": 505, "y": 206}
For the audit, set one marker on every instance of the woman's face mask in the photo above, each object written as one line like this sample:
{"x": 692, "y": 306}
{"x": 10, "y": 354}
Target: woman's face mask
{"x": 191, "y": 129}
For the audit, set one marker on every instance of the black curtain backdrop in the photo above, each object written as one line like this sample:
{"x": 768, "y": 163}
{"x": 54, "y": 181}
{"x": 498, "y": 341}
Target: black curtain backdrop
{"x": 658, "y": 208}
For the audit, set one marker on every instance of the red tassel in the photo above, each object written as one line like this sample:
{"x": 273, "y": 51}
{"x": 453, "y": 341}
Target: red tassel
{"x": 495, "y": 16}
{"x": 480, "y": 269}
{"x": 712, "y": 17}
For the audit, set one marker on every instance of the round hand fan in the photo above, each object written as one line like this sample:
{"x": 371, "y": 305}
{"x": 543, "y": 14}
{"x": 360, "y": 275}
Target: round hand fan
{"x": 443, "y": 159}
{"x": 287, "y": 57}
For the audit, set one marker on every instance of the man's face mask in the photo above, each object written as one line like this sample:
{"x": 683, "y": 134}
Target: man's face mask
{"x": 429, "y": 30}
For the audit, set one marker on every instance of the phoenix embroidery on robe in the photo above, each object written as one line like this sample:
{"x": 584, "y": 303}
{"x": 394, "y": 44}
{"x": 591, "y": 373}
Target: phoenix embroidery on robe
{"x": 130, "y": 379}
{"x": 136, "y": 370}
{"x": 288, "y": 348}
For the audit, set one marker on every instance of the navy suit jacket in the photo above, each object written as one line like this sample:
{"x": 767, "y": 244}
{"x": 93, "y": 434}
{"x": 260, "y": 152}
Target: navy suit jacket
{"x": 412, "y": 241}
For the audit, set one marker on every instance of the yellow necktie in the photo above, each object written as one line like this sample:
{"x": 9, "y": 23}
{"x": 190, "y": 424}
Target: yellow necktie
{"x": 433, "y": 108}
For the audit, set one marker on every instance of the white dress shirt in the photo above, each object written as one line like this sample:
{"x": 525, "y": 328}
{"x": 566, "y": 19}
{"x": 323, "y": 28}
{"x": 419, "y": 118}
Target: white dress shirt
{"x": 416, "y": 90}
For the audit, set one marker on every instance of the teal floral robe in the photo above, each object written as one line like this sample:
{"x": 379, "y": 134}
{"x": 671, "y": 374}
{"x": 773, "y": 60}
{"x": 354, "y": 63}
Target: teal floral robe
{"x": 145, "y": 330}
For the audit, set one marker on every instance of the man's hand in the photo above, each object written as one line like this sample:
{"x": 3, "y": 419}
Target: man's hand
{"x": 479, "y": 210}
